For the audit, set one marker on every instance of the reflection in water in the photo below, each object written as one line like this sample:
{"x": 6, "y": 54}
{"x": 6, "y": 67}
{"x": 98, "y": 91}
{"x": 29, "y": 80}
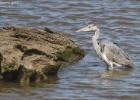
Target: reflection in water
{"x": 110, "y": 77}
{"x": 20, "y": 91}
{"x": 116, "y": 73}
{"x": 5, "y": 85}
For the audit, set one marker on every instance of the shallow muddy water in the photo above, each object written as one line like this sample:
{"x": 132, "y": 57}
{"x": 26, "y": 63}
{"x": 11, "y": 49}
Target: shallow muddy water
{"x": 119, "y": 21}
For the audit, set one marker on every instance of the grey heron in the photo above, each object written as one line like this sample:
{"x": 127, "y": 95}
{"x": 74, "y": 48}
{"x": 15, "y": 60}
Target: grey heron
{"x": 108, "y": 51}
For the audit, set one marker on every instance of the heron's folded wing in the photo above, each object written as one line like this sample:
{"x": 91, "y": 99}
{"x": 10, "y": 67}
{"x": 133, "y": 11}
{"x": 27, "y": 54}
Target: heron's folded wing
{"x": 115, "y": 53}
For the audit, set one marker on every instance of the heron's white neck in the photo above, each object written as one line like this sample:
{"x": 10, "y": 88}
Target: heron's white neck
{"x": 94, "y": 40}
{"x": 97, "y": 34}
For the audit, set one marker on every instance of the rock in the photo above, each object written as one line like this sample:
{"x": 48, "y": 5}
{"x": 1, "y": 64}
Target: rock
{"x": 28, "y": 54}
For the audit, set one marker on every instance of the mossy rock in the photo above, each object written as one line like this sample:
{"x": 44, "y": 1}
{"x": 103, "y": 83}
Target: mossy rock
{"x": 28, "y": 53}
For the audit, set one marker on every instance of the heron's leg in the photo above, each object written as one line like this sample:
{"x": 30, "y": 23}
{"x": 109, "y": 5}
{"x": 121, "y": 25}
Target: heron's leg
{"x": 110, "y": 66}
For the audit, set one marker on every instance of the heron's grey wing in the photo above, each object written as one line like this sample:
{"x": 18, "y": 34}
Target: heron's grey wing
{"x": 115, "y": 53}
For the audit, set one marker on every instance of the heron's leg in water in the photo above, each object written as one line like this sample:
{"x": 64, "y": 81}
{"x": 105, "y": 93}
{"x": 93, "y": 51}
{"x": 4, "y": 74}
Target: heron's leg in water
{"x": 110, "y": 66}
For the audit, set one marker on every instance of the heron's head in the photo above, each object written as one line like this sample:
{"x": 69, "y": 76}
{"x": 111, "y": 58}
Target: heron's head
{"x": 90, "y": 27}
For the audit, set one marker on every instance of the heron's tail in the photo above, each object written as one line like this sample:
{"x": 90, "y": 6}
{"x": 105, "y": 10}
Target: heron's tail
{"x": 130, "y": 65}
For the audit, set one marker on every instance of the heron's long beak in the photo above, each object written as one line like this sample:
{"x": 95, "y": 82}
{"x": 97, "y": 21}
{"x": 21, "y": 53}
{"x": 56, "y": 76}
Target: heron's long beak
{"x": 80, "y": 30}
{"x": 85, "y": 29}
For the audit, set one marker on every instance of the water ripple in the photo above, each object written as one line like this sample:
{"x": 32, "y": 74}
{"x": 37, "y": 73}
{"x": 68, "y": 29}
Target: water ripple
{"x": 87, "y": 79}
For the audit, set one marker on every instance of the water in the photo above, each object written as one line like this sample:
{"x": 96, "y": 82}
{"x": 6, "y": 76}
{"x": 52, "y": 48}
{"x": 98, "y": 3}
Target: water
{"x": 119, "y": 21}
